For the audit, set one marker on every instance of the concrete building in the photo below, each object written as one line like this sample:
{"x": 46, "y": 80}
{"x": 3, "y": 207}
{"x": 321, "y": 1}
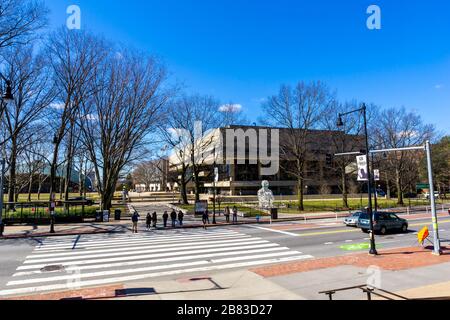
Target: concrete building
{"x": 241, "y": 166}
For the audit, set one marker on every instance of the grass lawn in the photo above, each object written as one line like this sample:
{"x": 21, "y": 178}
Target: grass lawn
{"x": 316, "y": 205}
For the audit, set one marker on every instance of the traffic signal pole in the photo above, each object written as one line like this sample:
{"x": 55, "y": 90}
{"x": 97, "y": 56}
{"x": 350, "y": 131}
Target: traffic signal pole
{"x": 427, "y": 149}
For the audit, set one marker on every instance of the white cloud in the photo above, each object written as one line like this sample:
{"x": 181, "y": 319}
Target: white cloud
{"x": 439, "y": 86}
{"x": 57, "y": 106}
{"x": 234, "y": 108}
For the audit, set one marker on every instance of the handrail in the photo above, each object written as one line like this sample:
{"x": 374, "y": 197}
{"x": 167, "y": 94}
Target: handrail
{"x": 369, "y": 290}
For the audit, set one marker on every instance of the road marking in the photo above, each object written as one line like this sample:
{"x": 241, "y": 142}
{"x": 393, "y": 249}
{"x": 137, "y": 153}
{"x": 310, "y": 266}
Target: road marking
{"x": 178, "y": 246}
{"x": 127, "y": 241}
{"x": 329, "y": 243}
{"x": 78, "y": 284}
{"x": 148, "y": 250}
{"x": 154, "y": 261}
{"x": 348, "y": 241}
{"x": 276, "y": 231}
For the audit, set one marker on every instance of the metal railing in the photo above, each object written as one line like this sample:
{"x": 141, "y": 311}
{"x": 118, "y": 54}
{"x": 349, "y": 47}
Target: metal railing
{"x": 368, "y": 290}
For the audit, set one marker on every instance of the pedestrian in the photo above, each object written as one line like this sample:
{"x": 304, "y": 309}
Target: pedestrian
{"x": 180, "y": 217}
{"x": 173, "y": 216}
{"x": 154, "y": 219}
{"x": 165, "y": 218}
{"x": 205, "y": 219}
{"x": 235, "y": 214}
{"x": 135, "y": 220}
{"x": 227, "y": 214}
{"x": 148, "y": 221}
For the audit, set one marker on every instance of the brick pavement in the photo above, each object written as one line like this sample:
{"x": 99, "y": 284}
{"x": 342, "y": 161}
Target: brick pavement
{"x": 392, "y": 259}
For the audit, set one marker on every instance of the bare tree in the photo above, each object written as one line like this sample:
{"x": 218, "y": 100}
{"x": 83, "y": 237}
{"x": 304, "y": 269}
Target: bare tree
{"x": 73, "y": 56}
{"x": 398, "y": 128}
{"x": 148, "y": 173}
{"x": 20, "y": 20}
{"x": 298, "y": 110}
{"x": 33, "y": 94}
{"x": 189, "y": 120}
{"x": 124, "y": 109}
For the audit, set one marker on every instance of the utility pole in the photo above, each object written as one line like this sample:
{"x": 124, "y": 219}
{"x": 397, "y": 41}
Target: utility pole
{"x": 437, "y": 242}
{"x": 2, "y": 181}
{"x": 427, "y": 149}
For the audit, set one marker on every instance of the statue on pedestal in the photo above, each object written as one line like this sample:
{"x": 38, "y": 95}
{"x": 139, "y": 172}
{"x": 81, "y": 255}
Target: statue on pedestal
{"x": 265, "y": 196}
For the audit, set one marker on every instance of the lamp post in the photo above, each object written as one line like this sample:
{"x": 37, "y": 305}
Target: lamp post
{"x": 340, "y": 123}
{"x": 216, "y": 175}
{"x": 52, "y": 192}
{"x": 7, "y": 98}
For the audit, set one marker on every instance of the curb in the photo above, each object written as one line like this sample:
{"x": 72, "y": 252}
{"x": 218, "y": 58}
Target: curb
{"x": 40, "y": 235}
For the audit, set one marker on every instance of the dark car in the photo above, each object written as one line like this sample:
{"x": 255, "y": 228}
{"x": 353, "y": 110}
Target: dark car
{"x": 383, "y": 222}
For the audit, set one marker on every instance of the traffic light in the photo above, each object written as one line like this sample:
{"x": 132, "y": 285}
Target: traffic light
{"x": 329, "y": 160}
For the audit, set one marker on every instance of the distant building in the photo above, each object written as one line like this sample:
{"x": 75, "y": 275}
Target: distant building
{"x": 245, "y": 178}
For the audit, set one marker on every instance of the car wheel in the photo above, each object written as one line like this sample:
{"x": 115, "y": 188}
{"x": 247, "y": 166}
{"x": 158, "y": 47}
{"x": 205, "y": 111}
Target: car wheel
{"x": 405, "y": 228}
{"x": 383, "y": 230}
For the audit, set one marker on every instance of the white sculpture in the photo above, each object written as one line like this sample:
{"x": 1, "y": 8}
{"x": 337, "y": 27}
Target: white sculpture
{"x": 265, "y": 196}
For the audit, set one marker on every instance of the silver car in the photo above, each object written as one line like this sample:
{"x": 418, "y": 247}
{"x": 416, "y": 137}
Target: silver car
{"x": 352, "y": 220}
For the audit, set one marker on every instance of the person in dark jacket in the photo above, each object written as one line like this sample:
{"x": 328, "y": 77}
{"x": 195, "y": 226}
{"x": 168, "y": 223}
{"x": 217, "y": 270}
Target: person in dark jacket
{"x": 205, "y": 219}
{"x": 135, "y": 220}
{"x": 154, "y": 219}
{"x": 148, "y": 221}
{"x": 180, "y": 217}
{"x": 173, "y": 217}
{"x": 165, "y": 218}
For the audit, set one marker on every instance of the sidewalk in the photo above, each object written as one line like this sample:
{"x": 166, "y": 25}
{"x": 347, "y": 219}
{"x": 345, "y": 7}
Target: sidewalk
{"x": 413, "y": 273}
{"x": 30, "y": 231}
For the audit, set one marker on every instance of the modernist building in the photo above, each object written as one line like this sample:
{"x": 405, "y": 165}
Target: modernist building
{"x": 241, "y": 171}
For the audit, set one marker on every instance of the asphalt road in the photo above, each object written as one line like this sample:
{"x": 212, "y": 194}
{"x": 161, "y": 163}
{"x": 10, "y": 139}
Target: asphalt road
{"x": 129, "y": 257}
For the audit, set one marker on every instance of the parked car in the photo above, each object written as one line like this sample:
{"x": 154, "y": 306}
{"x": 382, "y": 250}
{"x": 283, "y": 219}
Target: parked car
{"x": 352, "y": 220}
{"x": 383, "y": 222}
{"x": 81, "y": 200}
{"x": 427, "y": 195}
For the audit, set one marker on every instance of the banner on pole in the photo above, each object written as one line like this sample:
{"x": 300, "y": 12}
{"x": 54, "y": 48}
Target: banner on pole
{"x": 376, "y": 175}
{"x": 363, "y": 175}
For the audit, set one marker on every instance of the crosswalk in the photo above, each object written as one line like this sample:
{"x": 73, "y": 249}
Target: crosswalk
{"x": 77, "y": 262}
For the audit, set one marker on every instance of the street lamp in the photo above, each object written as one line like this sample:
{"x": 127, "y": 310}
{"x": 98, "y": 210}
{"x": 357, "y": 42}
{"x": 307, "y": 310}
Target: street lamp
{"x": 340, "y": 123}
{"x": 52, "y": 194}
{"x": 7, "y": 98}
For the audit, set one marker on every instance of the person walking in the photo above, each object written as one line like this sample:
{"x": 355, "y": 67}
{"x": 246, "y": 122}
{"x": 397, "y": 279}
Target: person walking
{"x": 205, "y": 219}
{"x": 173, "y": 216}
{"x": 154, "y": 219}
{"x": 235, "y": 214}
{"x": 227, "y": 214}
{"x": 148, "y": 221}
{"x": 180, "y": 217}
{"x": 165, "y": 218}
{"x": 135, "y": 220}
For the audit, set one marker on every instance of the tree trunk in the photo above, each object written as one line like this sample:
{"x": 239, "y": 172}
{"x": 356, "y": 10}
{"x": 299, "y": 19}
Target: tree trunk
{"x": 12, "y": 174}
{"x": 399, "y": 188}
{"x": 344, "y": 190}
{"x": 300, "y": 186}
{"x": 183, "y": 188}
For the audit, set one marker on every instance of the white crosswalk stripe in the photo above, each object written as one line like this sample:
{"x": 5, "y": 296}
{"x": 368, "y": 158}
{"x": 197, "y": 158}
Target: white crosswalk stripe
{"x": 92, "y": 260}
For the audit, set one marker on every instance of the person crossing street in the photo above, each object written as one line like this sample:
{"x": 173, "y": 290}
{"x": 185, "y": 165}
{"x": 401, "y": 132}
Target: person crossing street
{"x": 173, "y": 217}
{"x": 180, "y": 217}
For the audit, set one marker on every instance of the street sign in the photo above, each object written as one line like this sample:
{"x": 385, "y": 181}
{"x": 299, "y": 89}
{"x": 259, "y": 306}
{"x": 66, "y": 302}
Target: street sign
{"x": 422, "y": 186}
{"x": 363, "y": 175}
{"x": 423, "y": 235}
{"x": 376, "y": 175}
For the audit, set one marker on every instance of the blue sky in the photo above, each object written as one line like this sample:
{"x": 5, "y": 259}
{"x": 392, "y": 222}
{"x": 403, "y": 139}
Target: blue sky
{"x": 242, "y": 51}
